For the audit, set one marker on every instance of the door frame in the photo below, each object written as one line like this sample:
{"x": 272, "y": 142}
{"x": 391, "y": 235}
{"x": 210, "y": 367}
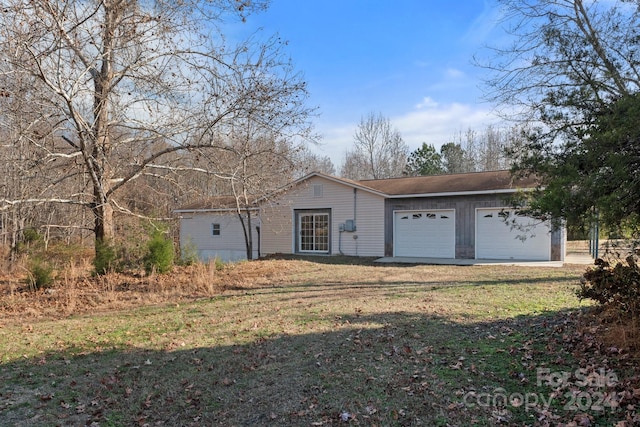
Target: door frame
{"x": 298, "y": 214}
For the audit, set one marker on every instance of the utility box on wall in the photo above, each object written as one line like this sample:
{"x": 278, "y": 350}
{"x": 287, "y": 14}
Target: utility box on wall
{"x": 350, "y": 225}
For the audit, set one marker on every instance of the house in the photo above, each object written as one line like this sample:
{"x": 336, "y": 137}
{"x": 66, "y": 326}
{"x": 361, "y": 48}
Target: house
{"x": 212, "y": 228}
{"x": 459, "y": 216}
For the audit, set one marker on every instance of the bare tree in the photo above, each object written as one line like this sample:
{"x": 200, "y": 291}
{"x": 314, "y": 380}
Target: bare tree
{"x": 567, "y": 59}
{"x": 572, "y": 72}
{"x": 379, "y": 150}
{"x": 254, "y": 165}
{"x": 123, "y": 88}
{"x": 485, "y": 150}
{"x": 24, "y": 174}
{"x": 307, "y": 162}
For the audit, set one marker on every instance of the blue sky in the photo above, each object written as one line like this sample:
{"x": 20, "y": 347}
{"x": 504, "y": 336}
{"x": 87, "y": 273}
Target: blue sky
{"x": 410, "y": 60}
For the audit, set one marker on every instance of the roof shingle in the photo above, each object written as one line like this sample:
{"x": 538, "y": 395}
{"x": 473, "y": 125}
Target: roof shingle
{"x": 480, "y": 182}
{"x": 453, "y": 183}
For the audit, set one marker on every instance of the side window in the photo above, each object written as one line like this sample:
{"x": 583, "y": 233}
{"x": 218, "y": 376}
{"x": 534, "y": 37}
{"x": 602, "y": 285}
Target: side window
{"x": 215, "y": 229}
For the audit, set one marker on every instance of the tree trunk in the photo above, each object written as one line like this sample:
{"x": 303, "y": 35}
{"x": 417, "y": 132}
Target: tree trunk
{"x": 98, "y": 163}
{"x": 103, "y": 229}
{"x": 248, "y": 236}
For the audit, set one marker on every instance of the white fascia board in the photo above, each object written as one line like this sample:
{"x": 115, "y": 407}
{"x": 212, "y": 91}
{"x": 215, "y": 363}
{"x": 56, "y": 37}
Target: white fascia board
{"x": 458, "y": 193}
{"x": 351, "y": 184}
{"x": 327, "y": 177}
{"x": 220, "y": 210}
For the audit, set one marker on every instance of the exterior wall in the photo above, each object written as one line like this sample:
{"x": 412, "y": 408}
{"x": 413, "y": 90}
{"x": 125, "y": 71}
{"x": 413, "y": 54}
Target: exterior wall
{"x": 559, "y": 244}
{"x": 196, "y": 231}
{"x": 465, "y": 214}
{"x": 367, "y": 209}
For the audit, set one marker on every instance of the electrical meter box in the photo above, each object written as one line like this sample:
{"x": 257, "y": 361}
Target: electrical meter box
{"x": 350, "y": 225}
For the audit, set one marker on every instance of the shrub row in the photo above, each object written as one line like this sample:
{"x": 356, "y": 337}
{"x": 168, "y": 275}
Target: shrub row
{"x": 616, "y": 285}
{"x": 156, "y": 256}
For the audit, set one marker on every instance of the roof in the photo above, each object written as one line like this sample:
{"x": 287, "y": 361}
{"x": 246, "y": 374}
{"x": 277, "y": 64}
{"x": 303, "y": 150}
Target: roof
{"x": 217, "y": 203}
{"x": 355, "y": 184}
{"x": 473, "y": 182}
{"x": 415, "y": 186}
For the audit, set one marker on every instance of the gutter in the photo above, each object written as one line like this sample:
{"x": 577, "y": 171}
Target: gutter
{"x": 204, "y": 210}
{"x": 457, "y": 193}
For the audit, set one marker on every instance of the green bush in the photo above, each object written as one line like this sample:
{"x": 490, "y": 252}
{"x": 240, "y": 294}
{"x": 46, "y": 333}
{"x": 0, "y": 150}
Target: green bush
{"x": 31, "y": 241}
{"x": 40, "y": 274}
{"x": 189, "y": 254}
{"x": 159, "y": 256}
{"x": 617, "y": 285}
{"x": 105, "y": 260}
{"x": 219, "y": 264}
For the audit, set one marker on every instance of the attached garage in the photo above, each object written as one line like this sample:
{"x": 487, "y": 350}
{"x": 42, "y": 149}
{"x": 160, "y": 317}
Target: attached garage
{"x": 440, "y": 217}
{"x": 503, "y": 234}
{"x": 425, "y": 233}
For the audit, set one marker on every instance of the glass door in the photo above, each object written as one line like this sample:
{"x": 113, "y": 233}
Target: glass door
{"x": 313, "y": 233}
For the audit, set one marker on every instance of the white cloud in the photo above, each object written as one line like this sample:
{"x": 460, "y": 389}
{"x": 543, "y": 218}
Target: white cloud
{"x": 336, "y": 140}
{"x": 485, "y": 24}
{"x": 440, "y": 124}
{"x": 427, "y": 102}
{"x": 454, "y": 74}
{"x": 429, "y": 121}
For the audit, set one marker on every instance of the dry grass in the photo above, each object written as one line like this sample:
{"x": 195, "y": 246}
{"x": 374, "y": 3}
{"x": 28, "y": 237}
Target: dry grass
{"x": 618, "y": 329}
{"x": 76, "y": 291}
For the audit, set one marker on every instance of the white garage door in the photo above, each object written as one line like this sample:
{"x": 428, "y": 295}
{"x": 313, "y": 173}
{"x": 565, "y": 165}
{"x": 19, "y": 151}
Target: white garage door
{"x": 497, "y": 239}
{"x": 425, "y": 233}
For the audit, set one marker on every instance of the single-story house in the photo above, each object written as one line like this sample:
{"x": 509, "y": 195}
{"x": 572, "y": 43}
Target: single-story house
{"x": 459, "y": 216}
{"x": 212, "y": 228}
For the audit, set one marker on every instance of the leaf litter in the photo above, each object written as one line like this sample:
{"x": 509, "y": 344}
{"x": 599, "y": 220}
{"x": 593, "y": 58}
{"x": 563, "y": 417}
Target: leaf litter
{"x": 303, "y": 343}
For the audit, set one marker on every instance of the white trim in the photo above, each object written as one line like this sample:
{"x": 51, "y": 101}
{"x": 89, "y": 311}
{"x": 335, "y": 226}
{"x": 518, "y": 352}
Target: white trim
{"x": 203, "y": 210}
{"x": 458, "y": 193}
{"x": 299, "y": 236}
{"x": 327, "y": 177}
{"x": 293, "y": 230}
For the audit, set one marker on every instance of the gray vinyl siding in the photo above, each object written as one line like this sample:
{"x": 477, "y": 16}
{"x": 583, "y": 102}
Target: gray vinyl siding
{"x": 229, "y": 245}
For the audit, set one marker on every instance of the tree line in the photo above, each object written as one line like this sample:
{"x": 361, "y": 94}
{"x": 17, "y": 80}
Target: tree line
{"x": 116, "y": 111}
{"x": 379, "y": 152}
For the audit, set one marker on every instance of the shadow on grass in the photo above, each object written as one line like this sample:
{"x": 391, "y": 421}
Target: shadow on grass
{"x": 330, "y": 259}
{"x": 383, "y": 369}
{"x": 388, "y": 286}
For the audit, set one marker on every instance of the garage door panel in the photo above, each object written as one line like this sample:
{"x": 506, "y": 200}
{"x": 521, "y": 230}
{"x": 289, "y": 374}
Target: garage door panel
{"x": 425, "y": 233}
{"x": 501, "y": 234}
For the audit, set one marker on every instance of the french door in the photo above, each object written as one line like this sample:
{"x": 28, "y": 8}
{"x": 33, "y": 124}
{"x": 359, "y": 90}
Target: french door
{"x": 313, "y": 232}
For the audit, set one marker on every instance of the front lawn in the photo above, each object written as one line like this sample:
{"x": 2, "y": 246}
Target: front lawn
{"x": 318, "y": 343}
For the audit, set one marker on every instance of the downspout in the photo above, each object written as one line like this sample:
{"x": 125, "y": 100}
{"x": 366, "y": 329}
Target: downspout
{"x": 355, "y": 198}
{"x": 258, "y": 231}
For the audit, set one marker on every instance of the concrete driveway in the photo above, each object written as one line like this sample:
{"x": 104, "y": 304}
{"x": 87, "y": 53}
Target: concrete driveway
{"x": 571, "y": 258}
